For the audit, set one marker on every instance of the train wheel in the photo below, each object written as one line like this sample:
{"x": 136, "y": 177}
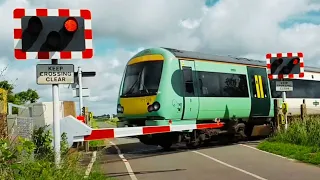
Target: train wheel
{"x": 240, "y": 133}
{"x": 196, "y": 139}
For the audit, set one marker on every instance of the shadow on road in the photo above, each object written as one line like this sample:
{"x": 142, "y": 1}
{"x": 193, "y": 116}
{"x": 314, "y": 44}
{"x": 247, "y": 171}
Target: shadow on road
{"x": 142, "y": 172}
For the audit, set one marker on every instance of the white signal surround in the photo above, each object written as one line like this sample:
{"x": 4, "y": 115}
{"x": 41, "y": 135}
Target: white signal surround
{"x": 18, "y": 13}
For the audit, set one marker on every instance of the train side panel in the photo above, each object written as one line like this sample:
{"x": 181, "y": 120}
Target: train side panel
{"x": 217, "y": 85}
{"x": 170, "y": 95}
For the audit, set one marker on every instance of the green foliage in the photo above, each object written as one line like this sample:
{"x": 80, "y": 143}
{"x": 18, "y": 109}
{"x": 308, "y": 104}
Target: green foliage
{"x": 7, "y": 86}
{"x": 308, "y": 154}
{"x": 300, "y": 141}
{"x": 17, "y": 160}
{"x": 112, "y": 121}
{"x": 20, "y": 98}
{"x": 306, "y": 133}
{"x": 43, "y": 139}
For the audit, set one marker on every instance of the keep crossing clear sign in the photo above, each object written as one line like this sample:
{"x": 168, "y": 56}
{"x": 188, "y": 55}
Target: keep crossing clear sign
{"x": 55, "y": 74}
{"x": 284, "y": 86}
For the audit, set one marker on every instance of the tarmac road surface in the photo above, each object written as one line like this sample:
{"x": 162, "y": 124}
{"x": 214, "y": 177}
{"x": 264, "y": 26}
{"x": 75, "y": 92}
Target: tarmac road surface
{"x": 131, "y": 160}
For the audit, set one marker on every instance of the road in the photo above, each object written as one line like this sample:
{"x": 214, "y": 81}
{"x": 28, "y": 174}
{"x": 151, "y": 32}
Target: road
{"x": 128, "y": 159}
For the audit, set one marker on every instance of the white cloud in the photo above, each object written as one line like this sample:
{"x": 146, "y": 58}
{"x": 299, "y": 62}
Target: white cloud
{"x": 244, "y": 28}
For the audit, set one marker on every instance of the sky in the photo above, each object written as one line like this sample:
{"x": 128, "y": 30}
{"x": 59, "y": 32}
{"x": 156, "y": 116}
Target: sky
{"x": 121, "y": 28}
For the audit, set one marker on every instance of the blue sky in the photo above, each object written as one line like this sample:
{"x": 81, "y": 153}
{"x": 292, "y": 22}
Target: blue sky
{"x": 310, "y": 17}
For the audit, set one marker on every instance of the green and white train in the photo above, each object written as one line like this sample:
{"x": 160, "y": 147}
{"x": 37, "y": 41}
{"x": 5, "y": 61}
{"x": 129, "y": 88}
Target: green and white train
{"x": 162, "y": 84}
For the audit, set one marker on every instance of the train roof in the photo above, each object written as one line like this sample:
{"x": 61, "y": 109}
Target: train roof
{"x": 237, "y": 60}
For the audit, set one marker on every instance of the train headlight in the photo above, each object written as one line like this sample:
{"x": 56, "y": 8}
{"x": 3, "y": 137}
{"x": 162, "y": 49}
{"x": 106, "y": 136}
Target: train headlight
{"x": 120, "y": 109}
{"x": 156, "y": 106}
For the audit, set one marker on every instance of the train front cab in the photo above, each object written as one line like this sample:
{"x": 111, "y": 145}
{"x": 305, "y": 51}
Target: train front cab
{"x": 146, "y": 96}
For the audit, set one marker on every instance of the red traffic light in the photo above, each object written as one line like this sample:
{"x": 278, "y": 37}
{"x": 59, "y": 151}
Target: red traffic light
{"x": 295, "y": 61}
{"x": 71, "y": 25}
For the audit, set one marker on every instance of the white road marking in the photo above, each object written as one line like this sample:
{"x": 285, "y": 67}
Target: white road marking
{"x": 230, "y": 166}
{"x": 244, "y": 145}
{"x": 126, "y": 162}
{"x": 93, "y": 159}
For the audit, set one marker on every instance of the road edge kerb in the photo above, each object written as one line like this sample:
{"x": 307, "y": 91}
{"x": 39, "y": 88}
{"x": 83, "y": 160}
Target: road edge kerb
{"x": 93, "y": 159}
{"x": 283, "y": 157}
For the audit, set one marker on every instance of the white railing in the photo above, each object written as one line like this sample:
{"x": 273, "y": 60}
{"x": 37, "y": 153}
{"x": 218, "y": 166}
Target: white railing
{"x": 11, "y": 105}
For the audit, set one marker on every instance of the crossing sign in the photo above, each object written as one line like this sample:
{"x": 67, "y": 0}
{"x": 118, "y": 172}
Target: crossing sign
{"x": 284, "y": 86}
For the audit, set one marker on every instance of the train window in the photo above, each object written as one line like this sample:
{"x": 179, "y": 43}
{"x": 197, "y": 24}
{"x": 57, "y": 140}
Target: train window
{"x": 188, "y": 80}
{"x": 233, "y": 85}
{"x": 223, "y": 85}
{"x": 187, "y": 74}
{"x": 301, "y": 89}
{"x": 209, "y": 84}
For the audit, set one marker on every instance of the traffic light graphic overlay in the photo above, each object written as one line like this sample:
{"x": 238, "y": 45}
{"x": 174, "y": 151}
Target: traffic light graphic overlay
{"x": 44, "y": 34}
{"x": 63, "y": 34}
{"x": 285, "y": 65}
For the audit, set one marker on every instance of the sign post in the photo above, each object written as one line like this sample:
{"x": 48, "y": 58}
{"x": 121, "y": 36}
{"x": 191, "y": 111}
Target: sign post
{"x": 80, "y": 88}
{"x": 285, "y": 66}
{"x": 52, "y": 34}
{"x": 56, "y": 120}
{"x": 81, "y": 92}
{"x": 284, "y": 86}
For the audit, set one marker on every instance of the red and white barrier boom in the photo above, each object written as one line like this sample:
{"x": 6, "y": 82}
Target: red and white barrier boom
{"x": 78, "y": 131}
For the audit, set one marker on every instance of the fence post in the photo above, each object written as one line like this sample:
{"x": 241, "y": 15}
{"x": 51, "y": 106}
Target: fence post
{"x": 276, "y": 113}
{"x": 303, "y": 110}
{"x": 3, "y": 113}
{"x": 86, "y": 115}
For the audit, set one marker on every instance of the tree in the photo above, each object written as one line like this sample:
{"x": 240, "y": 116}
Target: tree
{"x": 20, "y": 98}
{"x": 7, "y": 86}
{"x": 30, "y": 96}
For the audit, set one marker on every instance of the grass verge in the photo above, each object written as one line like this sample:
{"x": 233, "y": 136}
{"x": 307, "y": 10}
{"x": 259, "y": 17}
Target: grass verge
{"x": 301, "y": 141}
{"x": 307, "y": 154}
{"x": 112, "y": 121}
{"x": 23, "y": 158}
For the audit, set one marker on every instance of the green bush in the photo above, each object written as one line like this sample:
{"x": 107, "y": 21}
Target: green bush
{"x": 306, "y": 133}
{"x": 33, "y": 159}
{"x": 301, "y": 141}
{"x": 42, "y": 138}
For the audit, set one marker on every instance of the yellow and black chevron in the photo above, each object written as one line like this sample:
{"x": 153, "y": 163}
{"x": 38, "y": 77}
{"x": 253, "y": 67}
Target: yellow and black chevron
{"x": 259, "y": 86}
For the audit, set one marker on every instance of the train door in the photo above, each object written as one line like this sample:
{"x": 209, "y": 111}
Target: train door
{"x": 260, "y": 95}
{"x": 191, "y": 100}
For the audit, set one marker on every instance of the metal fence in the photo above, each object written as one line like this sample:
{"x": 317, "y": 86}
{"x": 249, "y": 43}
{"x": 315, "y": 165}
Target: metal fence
{"x": 20, "y": 126}
{"x": 17, "y": 125}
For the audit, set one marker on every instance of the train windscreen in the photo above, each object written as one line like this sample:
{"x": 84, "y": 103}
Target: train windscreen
{"x": 142, "y": 79}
